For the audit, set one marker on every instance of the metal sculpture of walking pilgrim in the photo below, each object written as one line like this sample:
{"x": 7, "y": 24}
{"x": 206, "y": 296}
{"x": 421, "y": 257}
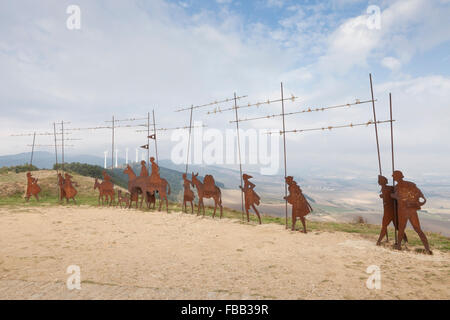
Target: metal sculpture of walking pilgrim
{"x": 300, "y": 206}
{"x": 33, "y": 188}
{"x": 408, "y": 197}
{"x": 251, "y": 197}
{"x": 189, "y": 195}
{"x": 208, "y": 189}
{"x": 389, "y": 208}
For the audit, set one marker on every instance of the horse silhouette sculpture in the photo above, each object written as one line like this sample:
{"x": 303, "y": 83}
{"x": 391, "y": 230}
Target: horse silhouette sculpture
{"x": 207, "y": 189}
{"x": 144, "y": 185}
{"x": 189, "y": 195}
{"x": 67, "y": 190}
{"x": 123, "y": 199}
{"x": 33, "y": 188}
{"x": 106, "y": 190}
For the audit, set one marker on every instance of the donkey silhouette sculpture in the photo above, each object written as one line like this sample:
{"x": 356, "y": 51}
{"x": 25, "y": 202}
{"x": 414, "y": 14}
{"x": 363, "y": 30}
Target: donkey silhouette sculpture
{"x": 189, "y": 195}
{"x": 207, "y": 189}
{"x": 105, "y": 191}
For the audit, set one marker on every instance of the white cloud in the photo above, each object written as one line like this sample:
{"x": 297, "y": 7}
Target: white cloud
{"x": 407, "y": 27}
{"x": 391, "y": 63}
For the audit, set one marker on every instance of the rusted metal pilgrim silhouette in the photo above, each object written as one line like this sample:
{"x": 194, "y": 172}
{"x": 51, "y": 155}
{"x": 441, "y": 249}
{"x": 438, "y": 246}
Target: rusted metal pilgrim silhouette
{"x": 408, "y": 197}
{"x": 62, "y": 193}
{"x": 106, "y": 189}
{"x": 251, "y": 197}
{"x": 300, "y": 206}
{"x": 68, "y": 191}
{"x": 149, "y": 197}
{"x": 189, "y": 195}
{"x": 207, "y": 189}
{"x": 148, "y": 185}
{"x": 158, "y": 184}
{"x": 123, "y": 199}
{"x": 33, "y": 188}
{"x": 389, "y": 206}
{"x": 144, "y": 171}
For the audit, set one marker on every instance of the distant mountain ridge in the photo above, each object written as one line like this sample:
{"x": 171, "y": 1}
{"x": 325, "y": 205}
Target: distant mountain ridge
{"x": 46, "y": 160}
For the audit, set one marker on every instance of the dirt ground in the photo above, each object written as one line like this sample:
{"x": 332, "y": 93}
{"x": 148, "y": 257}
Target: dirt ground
{"x": 137, "y": 255}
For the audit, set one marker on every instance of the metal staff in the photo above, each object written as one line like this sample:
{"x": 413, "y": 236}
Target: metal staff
{"x": 56, "y": 159}
{"x": 375, "y": 122}
{"x": 148, "y": 140}
{"x": 284, "y": 146}
{"x": 189, "y": 139}
{"x": 62, "y": 144}
{"x": 112, "y": 148}
{"x": 156, "y": 143}
{"x": 393, "y": 167}
{"x": 239, "y": 153}
{"x": 32, "y": 150}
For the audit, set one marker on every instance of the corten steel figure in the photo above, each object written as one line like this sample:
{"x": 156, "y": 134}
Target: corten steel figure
{"x": 150, "y": 200}
{"x": 300, "y": 206}
{"x": 33, "y": 188}
{"x": 157, "y": 184}
{"x": 107, "y": 181}
{"x": 251, "y": 197}
{"x": 154, "y": 176}
{"x": 69, "y": 190}
{"x": 123, "y": 199}
{"x": 189, "y": 195}
{"x": 105, "y": 191}
{"x": 144, "y": 185}
{"x": 144, "y": 171}
{"x": 207, "y": 189}
{"x": 389, "y": 205}
{"x": 408, "y": 198}
{"x": 149, "y": 197}
{"x": 132, "y": 189}
{"x": 62, "y": 193}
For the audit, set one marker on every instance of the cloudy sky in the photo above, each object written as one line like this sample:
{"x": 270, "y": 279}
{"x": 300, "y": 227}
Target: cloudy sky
{"x": 130, "y": 57}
